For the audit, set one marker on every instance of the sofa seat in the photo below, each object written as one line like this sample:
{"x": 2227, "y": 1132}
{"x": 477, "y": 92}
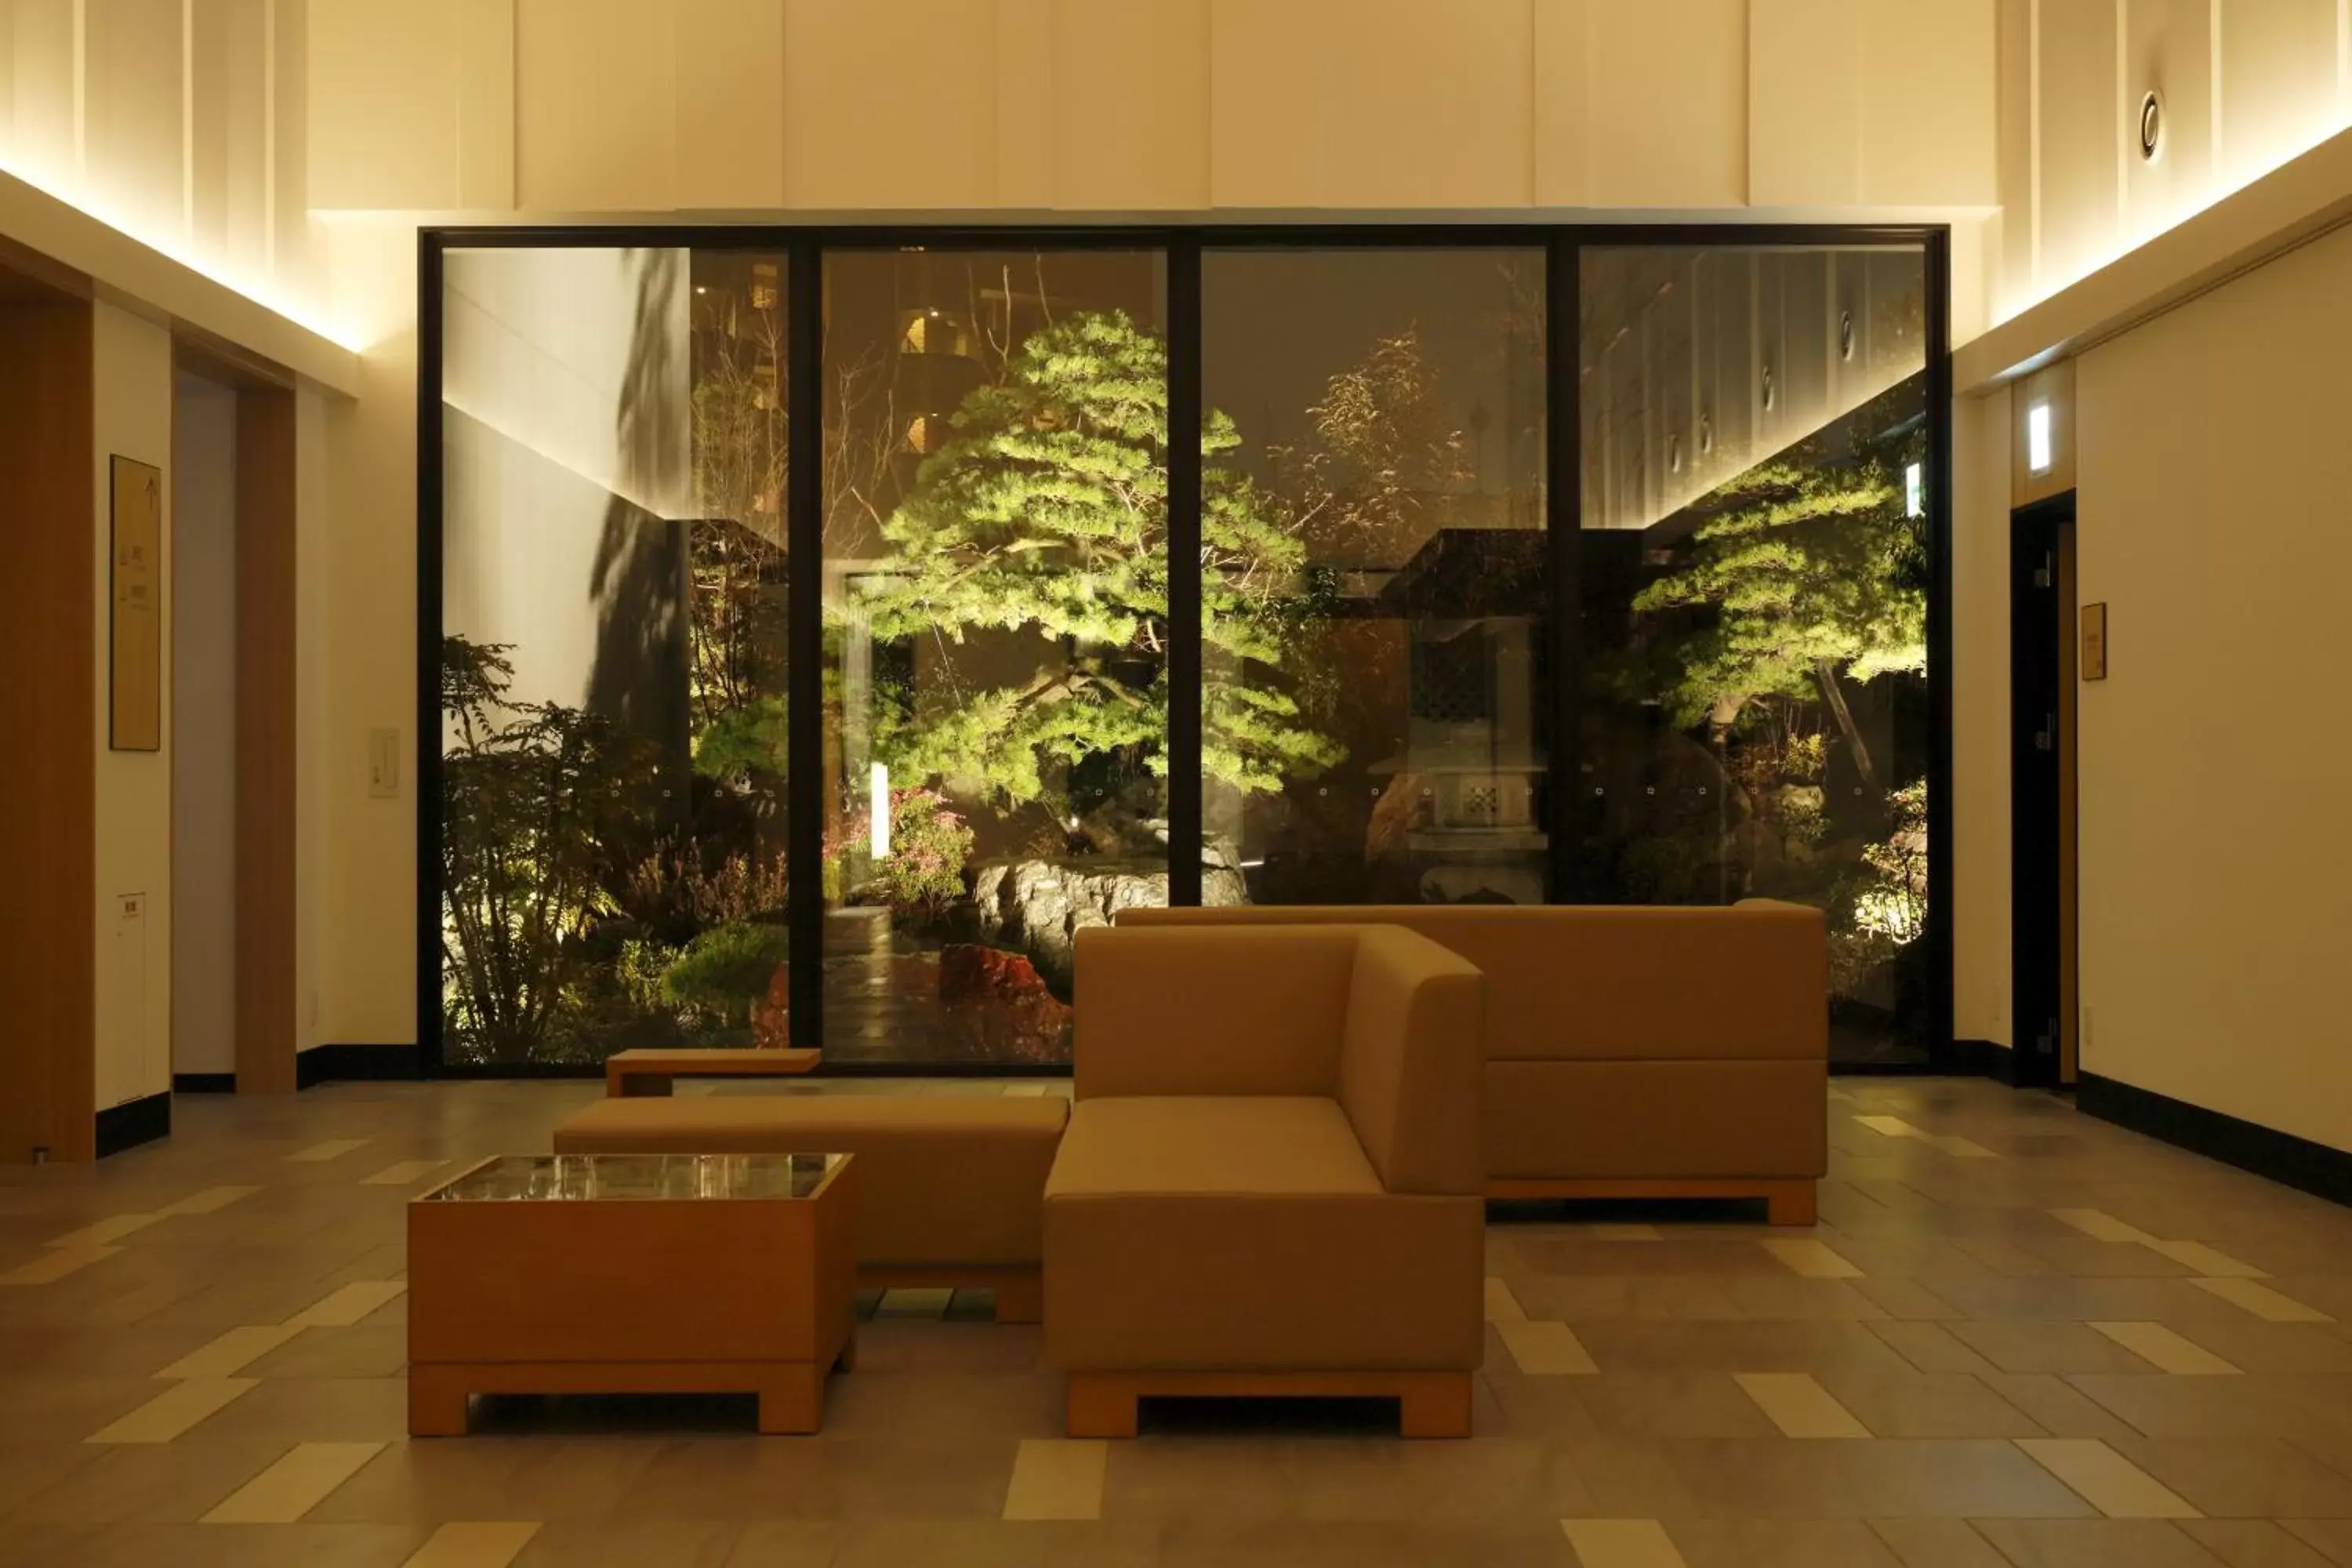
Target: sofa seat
{"x": 1246, "y": 1234}
{"x": 1210, "y": 1144}
{"x": 942, "y": 1180}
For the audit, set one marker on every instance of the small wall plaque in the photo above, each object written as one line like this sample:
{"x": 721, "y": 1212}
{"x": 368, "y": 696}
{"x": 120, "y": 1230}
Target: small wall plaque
{"x": 135, "y": 598}
{"x": 2094, "y": 642}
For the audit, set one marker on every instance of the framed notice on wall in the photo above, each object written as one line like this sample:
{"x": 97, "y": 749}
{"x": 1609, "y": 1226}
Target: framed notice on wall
{"x": 135, "y": 608}
{"x": 2094, "y": 642}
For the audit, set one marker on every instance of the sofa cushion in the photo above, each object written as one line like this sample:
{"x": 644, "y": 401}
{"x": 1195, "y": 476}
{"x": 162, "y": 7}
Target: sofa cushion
{"x": 1197, "y": 1144}
{"x": 942, "y": 1180}
{"x": 1590, "y": 982}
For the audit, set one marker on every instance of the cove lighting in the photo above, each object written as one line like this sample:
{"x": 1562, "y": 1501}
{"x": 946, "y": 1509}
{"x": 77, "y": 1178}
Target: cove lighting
{"x": 877, "y": 810}
{"x": 261, "y": 294}
{"x": 2037, "y": 438}
{"x": 1915, "y": 500}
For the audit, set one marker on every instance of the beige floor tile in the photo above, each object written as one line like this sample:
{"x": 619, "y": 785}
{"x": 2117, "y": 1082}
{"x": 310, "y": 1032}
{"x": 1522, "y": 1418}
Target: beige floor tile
{"x": 1959, "y": 1147}
{"x": 1668, "y": 1405}
{"x": 2252, "y": 1544}
{"x": 1776, "y": 1479}
{"x": 1782, "y": 1543}
{"x": 103, "y": 1232}
{"x": 1932, "y": 1347}
{"x": 231, "y": 1353}
{"x": 2166, "y": 1350}
{"x": 212, "y": 1200}
{"x": 1545, "y": 1348}
{"x": 295, "y": 1485}
{"x": 1056, "y": 1479}
{"x": 2063, "y": 1348}
{"x": 1937, "y": 1544}
{"x": 1889, "y": 1126}
{"x": 1904, "y": 1405}
{"x": 56, "y": 1264}
{"x": 2105, "y": 1479}
{"x": 921, "y": 1302}
{"x": 1799, "y": 1405}
{"x": 403, "y": 1174}
{"x": 1811, "y": 1259}
{"x": 1621, "y": 1544}
{"x": 331, "y": 1149}
{"x": 1502, "y": 1307}
{"x": 347, "y": 1304}
{"x": 2100, "y": 1225}
{"x": 2094, "y": 1543}
{"x": 473, "y": 1545}
{"x": 2271, "y": 1306}
{"x": 2331, "y": 1537}
{"x": 2210, "y": 1262}
{"x": 2242, "y": 1478}
{"x": 172, "y": 1412}
{"x": 1632, "y": 1232}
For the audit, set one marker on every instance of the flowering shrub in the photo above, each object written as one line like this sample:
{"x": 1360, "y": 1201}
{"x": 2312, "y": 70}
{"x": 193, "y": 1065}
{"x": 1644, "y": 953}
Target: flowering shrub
{"x": 922, "y": 878}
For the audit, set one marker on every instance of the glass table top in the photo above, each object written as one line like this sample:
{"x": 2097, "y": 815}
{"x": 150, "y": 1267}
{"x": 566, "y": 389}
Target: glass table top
{"x": 591, "y": 1178}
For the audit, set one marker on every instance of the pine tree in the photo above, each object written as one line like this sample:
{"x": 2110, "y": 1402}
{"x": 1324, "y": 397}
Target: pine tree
{"x": 1045, "y": 512}
{"x": 1814, "y": 574}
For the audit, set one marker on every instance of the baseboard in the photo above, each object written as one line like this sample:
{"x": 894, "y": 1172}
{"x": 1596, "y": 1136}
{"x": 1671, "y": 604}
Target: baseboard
{"x": 1985, "y": 1059}
{"x": 203, "y": 1083}
{"x": 2298, "y": 1163}
{"x": 133, "y": 1122}
{"x": 356, "y": 1064}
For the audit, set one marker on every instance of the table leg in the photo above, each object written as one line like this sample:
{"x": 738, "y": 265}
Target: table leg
{"x": 436, "y": 1403}
{"x": 793, "y": 1400}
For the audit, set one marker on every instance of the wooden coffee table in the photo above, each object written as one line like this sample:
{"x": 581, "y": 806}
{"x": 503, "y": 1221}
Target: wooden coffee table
{"x": 628, "y": 1074}
{"x": 633, "y": 1274}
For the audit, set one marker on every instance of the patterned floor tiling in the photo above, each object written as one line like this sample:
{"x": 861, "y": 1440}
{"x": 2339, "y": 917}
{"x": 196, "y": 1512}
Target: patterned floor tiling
{"x": 1916, "y": 1383}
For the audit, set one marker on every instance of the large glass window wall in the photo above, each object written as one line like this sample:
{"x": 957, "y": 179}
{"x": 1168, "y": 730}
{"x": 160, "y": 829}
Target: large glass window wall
{"x": 812, "y": 631}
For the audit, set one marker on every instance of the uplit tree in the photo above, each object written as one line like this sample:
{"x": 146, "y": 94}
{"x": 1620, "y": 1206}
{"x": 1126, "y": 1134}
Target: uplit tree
{"x": 1814, "y": 575}
{"x": 1045, "y": 512}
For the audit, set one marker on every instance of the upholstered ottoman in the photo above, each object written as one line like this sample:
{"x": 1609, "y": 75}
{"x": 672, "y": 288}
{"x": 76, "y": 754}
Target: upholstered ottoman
{"x": 950, "y": 1188}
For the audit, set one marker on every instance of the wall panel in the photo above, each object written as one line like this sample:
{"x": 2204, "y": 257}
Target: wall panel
{"x": 1673, "y": 132}
{"x": 890, "y": 106}
{"x": 730, "y": 104}
{"x": 2279, "y": 81}
{"x": 1926, "y": 84}
{"x": 1805, "y": 82}
{"x": 384, "y": 84}
{"x": 1130, "y": 103}
{"x": 2080, "y": 120}
{"x": 130, "y": 110}
{"x": 596, "y": 105}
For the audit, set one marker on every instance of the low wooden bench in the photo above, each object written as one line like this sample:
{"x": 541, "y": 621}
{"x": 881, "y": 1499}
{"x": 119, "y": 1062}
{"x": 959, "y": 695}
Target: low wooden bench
{"x": 647, "y": 1073}
{"x": 950, "y": 1187}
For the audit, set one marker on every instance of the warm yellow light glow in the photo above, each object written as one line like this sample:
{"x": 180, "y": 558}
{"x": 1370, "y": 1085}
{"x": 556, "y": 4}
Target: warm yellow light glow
{"x": 2037, "y": 438}
{"x": 2039, "y": 289}
{"x": 259, "y": 292}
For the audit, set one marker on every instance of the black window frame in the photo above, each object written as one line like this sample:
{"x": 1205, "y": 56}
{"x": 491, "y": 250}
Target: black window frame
{"x": 805, "y": 247}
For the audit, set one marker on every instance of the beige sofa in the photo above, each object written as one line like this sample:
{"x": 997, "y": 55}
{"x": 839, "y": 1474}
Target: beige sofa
{"x": 947, "y": 1185}
{"x": 1270, "y": 1180}
{"x": 1631, "y": 1051}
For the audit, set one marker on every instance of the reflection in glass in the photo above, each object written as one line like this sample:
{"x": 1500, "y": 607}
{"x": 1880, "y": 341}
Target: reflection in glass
{"x": 1753, "y": 580}
{"x": 639, "y": 1178}
{"x": 1375, "y": 705}
{"x": 995, "y": 592}
{"x": 612, "y": 670}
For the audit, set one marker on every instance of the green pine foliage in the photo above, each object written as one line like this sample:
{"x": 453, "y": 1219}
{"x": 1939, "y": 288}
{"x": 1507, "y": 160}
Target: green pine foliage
{"x": 1045, "y": 512}
{"x": 1813, "y": 572}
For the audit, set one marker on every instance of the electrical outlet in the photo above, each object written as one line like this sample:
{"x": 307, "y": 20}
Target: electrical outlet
{"x": 383, "y": 765}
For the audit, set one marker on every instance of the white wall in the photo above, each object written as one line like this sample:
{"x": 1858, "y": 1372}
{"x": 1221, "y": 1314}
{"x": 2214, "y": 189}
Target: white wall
{"x": 203, "y": 728}
{"x": 2211, "y": 473}
{"x": 183, "y": 124}
{"x": 132, "y": 375}
{"x": 613, "y": 106}
{"x": 2244, "y": 85}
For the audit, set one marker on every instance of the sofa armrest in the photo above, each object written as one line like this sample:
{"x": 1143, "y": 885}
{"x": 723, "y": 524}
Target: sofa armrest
{"x": 1412, "y": 1061}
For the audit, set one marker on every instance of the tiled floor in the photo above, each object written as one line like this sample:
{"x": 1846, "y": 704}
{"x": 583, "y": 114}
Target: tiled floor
{"x": 2019, "y": 1339}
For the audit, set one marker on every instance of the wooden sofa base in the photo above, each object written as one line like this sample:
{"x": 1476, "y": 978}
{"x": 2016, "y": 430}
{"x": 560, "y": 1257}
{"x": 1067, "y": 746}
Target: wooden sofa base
{"x": 1020, "y": 1291}
{"x": 1430, "y": 1404}
{"x": 1789, "y": 1202}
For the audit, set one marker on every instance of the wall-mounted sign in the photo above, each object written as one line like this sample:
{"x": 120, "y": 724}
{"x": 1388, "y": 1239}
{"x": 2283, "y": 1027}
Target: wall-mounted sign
{"x": 2094, "y": 642}
{"x": 135, "y": 600}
